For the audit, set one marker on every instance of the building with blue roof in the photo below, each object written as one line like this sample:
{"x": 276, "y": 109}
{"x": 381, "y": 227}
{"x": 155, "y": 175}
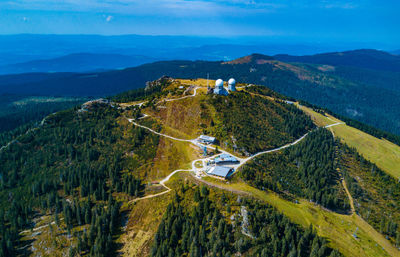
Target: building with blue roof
{"x": 220, "y": 172}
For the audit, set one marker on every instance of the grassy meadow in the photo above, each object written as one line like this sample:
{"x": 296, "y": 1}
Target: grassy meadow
{"x": 383, "y": 153}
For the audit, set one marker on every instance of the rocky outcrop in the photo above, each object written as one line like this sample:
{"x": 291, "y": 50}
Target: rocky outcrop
{"x": 161, "y": 82}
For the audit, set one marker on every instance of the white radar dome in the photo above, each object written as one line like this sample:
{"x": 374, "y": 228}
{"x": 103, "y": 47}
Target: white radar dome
{"x": 232, "y": 81}
{"x": 219, "y": 83}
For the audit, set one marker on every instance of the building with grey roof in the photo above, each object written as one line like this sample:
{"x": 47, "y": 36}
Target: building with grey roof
{"x": 220, "y": 172}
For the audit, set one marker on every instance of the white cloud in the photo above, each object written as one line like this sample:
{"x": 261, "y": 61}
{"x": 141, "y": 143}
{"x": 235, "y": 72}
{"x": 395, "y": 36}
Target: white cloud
{"x": 341, "y": 6}
{"x": 181, "y": 8}
{"x": 109, "y": 18}
{"x": 338, "y": 4}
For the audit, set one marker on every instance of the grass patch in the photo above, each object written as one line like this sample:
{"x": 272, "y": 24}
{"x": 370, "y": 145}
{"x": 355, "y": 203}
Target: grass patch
{"x": 49, "y": 239}
{"x": 383, "y": 153}
{"x": 172, "y": 155}
{"x": 143, "y": 220}
{"x": 183, "y": 116}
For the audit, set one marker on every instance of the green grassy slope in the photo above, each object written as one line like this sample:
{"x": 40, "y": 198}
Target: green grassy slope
{"x": 383, "y": 153}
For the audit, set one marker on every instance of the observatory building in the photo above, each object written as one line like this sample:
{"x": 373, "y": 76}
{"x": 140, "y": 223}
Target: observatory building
{"x": 232, "y": 84}
{"x": 219, "y": 88}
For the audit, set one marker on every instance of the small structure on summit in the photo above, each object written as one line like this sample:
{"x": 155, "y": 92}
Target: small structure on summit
{"x": 219, "y": 88}
{"x": 232, "y": 84}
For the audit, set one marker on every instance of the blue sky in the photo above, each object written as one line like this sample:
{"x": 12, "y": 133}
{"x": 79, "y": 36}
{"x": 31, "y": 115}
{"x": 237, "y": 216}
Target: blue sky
{"x": 308, "y": 20}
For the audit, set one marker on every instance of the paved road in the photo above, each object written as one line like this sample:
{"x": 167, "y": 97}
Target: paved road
{"x": 270, "y": 151}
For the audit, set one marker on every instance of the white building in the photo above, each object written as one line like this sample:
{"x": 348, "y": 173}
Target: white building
{"x": 232, "y": 84}
{"x": 219, "y": 88}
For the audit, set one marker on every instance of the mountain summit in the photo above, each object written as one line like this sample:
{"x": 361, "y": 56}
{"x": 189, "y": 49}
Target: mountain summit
{"x": 253, "y": 59}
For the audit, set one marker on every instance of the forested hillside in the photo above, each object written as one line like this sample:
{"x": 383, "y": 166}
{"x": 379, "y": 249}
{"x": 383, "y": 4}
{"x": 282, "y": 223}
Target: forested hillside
{"x": 71, "y": 167}
{"x": 306, "y": 170}
{"x": 17, "y": 110}
{"x": 200, "y": 222}
{"x": 249, "y": 124}
{"x": 376, "y": 194}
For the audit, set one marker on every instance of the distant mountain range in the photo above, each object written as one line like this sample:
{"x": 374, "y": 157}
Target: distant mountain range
{"x": 362, "y": 84}
{"x": 80, "y": 62}
{"x": 363, "y": 66}
{"x": 365, "y": 58}
{"x": 396, "y": 52}
{"x": 23, "y": 48}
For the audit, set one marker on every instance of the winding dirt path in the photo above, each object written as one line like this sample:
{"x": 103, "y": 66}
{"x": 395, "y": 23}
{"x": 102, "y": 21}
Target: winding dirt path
{"x": 162, "y": 182}
{"x": 351, "y": 200}
{"x": 343, "y": 181}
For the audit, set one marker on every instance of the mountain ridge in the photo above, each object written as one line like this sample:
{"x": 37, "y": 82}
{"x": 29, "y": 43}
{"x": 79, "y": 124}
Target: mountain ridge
{"x": 362, "y": 58}
{"x": 77, "y": 62}
{"x": 251, "y": 59}
{"x": 366, "y": 96}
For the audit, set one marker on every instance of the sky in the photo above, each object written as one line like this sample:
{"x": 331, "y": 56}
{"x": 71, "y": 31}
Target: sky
{"x": 302, "y": 20}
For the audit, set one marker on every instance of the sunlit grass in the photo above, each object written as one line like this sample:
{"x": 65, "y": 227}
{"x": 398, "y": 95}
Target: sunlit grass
{"x": 383, "y": 153}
